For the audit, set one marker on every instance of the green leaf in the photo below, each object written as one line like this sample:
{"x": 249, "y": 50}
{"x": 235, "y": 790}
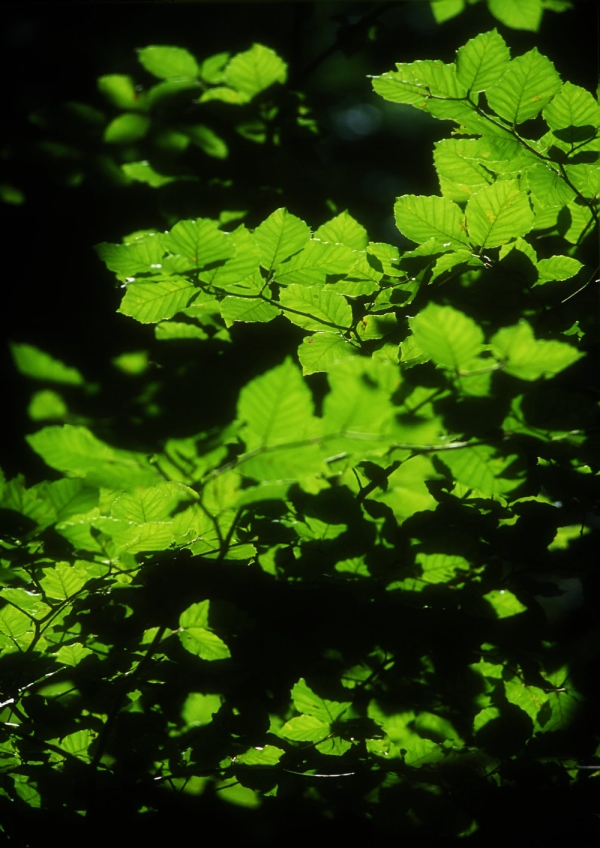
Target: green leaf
{"x": 212, "y": 69}
{"x": 343, "y": 229}
{"x": 449, "y": 337}
{"x": 198, "y": 709}
{"x": 126, "y": 128}
{"x": 498, "y": 213}
{"x": 314, "y": 262}
{"x": 444, "y": 10}
{"x": 573, "y": 115}
{"x": 321, "y": 351}
{"x": 143, "y": 172}
{"x": 267, "y": 756}
{"x": 528, "y": 358}
{"x": 72, "y": 654}
{"x": 279, "y": 237}
{"x": 441, "y": 568}
{"x": 201, "y": 241}
{"x": 168, "y": 62}
{"x": 63, "y": 581}
{"x": 242, "y": 265}
{"x": 528, "y": 84}
{"x": 528, "y": 698}
{"x": 308, "y": 702}
{"x": 423, "y": 218}
{"x": 34, "y": 363}
{"x": 196, "y": 637}
{"x": 78, "y": 744}
{"x": 504, "y": 603}
{"x": 481, "y": 467}
{"x": 459, "y": 173}
{"x": 47, "y": 406}
{"x": 334, "y": 746}
{"x": 276, "y": 408}
{"x": 557, "y": 268}
{"x": 76, "y": 451}
{"x": 120, "y": 91}
{"x": 149, "y": 303}
{"x": 247, "y": 309}
{"x": 518, "y": 14}
{"x": 482, "y": 61}
{"x": 145, "y": 505}
{"x": 313, "y": 308}
{"x": 305, "y": 728}
{"x": 167, "y": 330}
{"x": 142, "y": 255}
{"x": 207, "y": 140}
{"x": 254, "y": 70}
{"x": 14, "y": 623}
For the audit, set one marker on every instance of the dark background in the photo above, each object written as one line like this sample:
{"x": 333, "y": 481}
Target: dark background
{"x": 57, "y": 294}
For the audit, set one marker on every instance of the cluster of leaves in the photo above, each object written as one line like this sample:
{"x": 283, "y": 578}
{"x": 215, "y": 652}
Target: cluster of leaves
{"x": 518, "y": 14}
{"x": 256, "y": 606}
{"x": 172, "y": 133}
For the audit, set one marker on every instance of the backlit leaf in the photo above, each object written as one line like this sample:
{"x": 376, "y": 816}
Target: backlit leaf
{"x": 308, "y": 702}
{"x": 149, "y": 303}
{"x": 518, "y": 14}
{"x": 126, "y": 128}
{"x": 482, "y": 61}
{"x": 168, "y": 62}
{"x": 423, "y": 218}
{"x": 322, "y": 350}
{"x": 196, "y": 637}
{"x": 72, "y": 654}
{"x": 201, "y": 241}
{"x": 480, "y": 467}
{"x": 254, "y": 70}
{"x": 344, "y": 229}
{"x": 459, "y": 174}
{"x": 63, "y": 581}
{"x": 529, "y": 358}
{"x": 276, "y": 408}
{"x": 573, "y": 115}
{"x": 314, "y": 262}
{"x": 498, "y": 213}
{"x": 247, "y": 309}
{"x": 504, "y": 603}
{"x": 312, "y": 308}
{"x": 449, "y": 337}
{"x": 279, "y": 237}
{"x": 528, "y": 84}
{"x": 305, "y": 728}
{"x": 198, "y": 709}
{"x": 34, "y": 363}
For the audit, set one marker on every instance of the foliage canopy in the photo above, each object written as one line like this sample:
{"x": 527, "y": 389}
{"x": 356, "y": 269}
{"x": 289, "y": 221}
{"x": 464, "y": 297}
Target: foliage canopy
{"x": 336, "y": 599}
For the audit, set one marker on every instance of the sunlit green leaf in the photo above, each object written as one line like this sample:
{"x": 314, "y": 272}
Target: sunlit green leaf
{"x": 254, "y": 70}
{"x": 126, "y": 128}
{"x": 305, "y": 728}
{"x": 518, "y": 14}
{"x": 167, "y": 330}
{"x": 459, "y": 174}
{"x": 276, "y": 408}
{"x": 201, "y": 241}
{"x": 504, "y": 603}
{"x": 481, "y": 467}
{"x": 322, "y": 350}
{"x": 197, "y": 638}
{"x": 308, "y": 702}
{"x": 449, "y": 337}
{"x": 444, "y": 10}
{"x": 279, "y": 237}
{"x": 247, "y": 309}
{"x": 120, "y": 90}
{"x": 267, "y": 756}
{"x": 168, "y": 62}
{"x": 72, "y": 654}
{"x": 35, "y": 363}
{"x": 528, "y": 358}
{"x": 573, "y": 115}
{"x": 143, "y": 172}
{"x": 528, "y": 84}
{"x": 311, "y": 265}
{"x": 312, "y": 308}
{"x": 149, "y": 303}
{"x": 422, "y": 218}
{"x": 63, "y": 581}
{"x": 198, "y": 709}
{"x": 498, "y": 213}
{"x": 557, "y": 268}
{"x": 208, "y": 141}
{"x": 344, "y": 229}
{"x": 76, "y": 451}
{"x": 47, "y": 406}
{"x": 482, "y": 61}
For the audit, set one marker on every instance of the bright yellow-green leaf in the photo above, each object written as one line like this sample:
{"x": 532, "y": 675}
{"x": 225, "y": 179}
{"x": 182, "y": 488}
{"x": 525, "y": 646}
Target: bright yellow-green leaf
{"x": 480, "y": 467}
{"x": 126, "y": 128}
{"x": 312, "y": 308}
{"x": 449, "y": 337}
{"x": 498, "y": 213}
{"x": 279, "y": 237}
{"x": 344, "y": 229}
{"x": 254, "y": 70}
{"x": 528, "y": 358}
{"x": 504, "y": 603}
{"x": 573, "y": 114}
{"x": 168, "y": 62}
{"x": 198, "y": 709}
{"x": 249, "y": 309}
{"x": 149, "y": 303}
{"x": 201, "y": 241}
{"x": 320, "y": 351}
{"x": 63, "y": 581}
{"x": 482, "y": 61}
{"x": 308, "y": 702}
{"x": 518, "y": 14}
{"x": 528, "y": 84}
{"x": 35, "y": 363}
{"x": 423, "y": 218}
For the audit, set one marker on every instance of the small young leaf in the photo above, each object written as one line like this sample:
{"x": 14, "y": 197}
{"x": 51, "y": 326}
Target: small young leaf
{"x": 126, "y": 128}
